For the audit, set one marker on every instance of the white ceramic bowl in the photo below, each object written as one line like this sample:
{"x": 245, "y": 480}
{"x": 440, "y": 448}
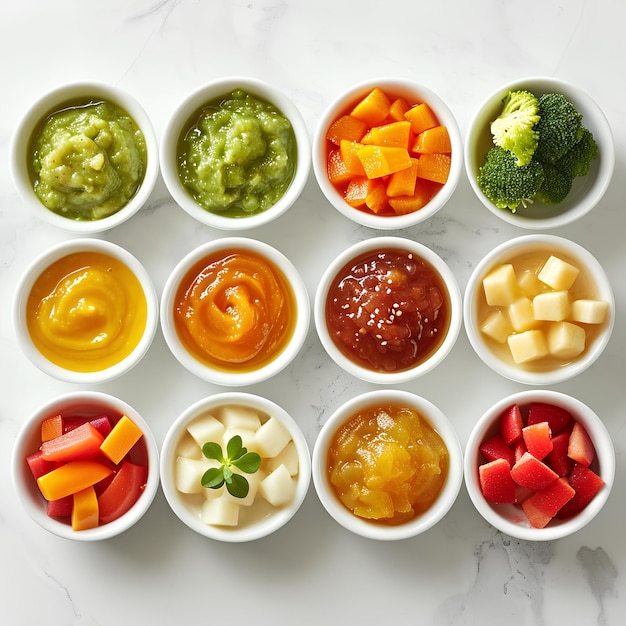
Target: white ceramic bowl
{"x": 91, "y": 404}
{"x": 226, "y": 375}
{"x": 534, "y": 373}
{"x": 187, "y": 508}
{"x": 39, "y": 265}
{"x": 509, "y": 518}
{"x": 55, "y": 100}
{"x": 363, "y": 370}
{"x": 178, "y": 122}
{"x": 414, "y": 94}
{"x": 420, "y": 523}
{"x": 586, "y": 191}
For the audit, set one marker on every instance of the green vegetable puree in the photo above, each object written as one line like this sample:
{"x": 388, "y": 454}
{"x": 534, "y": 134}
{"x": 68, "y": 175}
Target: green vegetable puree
{"x": 88, "y": 160}
{"x": 238, "y": 155}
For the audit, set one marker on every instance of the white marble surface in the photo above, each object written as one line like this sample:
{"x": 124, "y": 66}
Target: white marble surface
{"x": 310, "y": 572}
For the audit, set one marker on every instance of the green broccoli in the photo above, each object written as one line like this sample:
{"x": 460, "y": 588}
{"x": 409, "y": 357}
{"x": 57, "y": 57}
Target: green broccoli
{"x": 559, "y": 127}
{"x": 577, "y": 160}
{"x": 507, "y": 184}
{"x": 514, "y": 128}
{"x": 555, "y": 186}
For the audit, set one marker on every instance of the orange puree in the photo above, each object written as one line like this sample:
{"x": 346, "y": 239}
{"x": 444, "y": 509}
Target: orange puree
{"x": 387, "y": 464}
{"x": 234, "y": 310}
{"x": 86, "y": 312}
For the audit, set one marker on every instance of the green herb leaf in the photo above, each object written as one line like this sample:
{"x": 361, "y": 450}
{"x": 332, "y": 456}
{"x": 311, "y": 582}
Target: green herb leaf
{"x": 234, "y": 448}
{"x": 212, "y": 450}
{"x": 248, "y": 463}
{"x": 228, "y": 474}
{"x": 238, "y": 486}
{"x": 213, "y": 478}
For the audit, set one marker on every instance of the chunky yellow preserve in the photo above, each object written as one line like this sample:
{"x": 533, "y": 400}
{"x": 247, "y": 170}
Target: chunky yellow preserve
{"x": 387, "y": 464}
{"x": 86, "y": 312}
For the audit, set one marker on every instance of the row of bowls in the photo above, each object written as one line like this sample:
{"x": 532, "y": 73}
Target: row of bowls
{"x": 162, "y": 467}
{"x": 584, "y": 196}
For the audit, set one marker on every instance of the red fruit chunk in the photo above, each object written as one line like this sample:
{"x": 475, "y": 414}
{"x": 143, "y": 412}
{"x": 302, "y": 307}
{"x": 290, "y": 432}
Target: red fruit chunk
{"x": 77, "y": 444}
{"x": 557, "y": 459}
{"x": 538, "y": 439}
{"x": 580, "y": 447}
{"x": 61, "y": 507}
{"x": 586, "y": 483}
{"x": 101, "y": 423}
{"x": 38, "y": 465}
{"x": 496, "y": 483}
{"x": 511, "y": 424}
{"x": 557, "y": 417}
{"x": 519, "y": 449}
{"x": 123, "y": 491}
{"x": 532, "y": 473}
{"x": 496, "y": 448}
{"x": 543, "y": 505}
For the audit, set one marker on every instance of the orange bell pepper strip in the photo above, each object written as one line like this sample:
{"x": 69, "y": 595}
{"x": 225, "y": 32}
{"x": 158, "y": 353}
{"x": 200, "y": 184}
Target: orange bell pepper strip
{"x": 124, "y": 435}
{"x": 85, "y": 509}
{"x": 80, "y": 443}
{"x": 71, "y": 477}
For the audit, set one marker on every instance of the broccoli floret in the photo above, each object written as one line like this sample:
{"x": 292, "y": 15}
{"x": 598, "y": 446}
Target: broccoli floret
{"x": 514, "y": 129}
{"x": 507, "y": 184}
{"x": 577, "y": 160}
{"x": 556, "y": 185}
{"x": 559, "y": 127}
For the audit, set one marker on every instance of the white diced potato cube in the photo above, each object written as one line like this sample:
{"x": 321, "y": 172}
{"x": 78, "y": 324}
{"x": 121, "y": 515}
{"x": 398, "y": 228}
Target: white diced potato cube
{"x": 239, "y": 417}
{"x": 271, "y": 438}
{"x": 530, "y": 285}
{"x": 589, "y": 311}
{"x": 497, "y": 325}
{"x": 279, "y": 487}
{"x": 522, "y": 315}
{"x": 552, "y": 306}
{"x": 220, "y": 512}
{"x": 247, "y": 438}
{"x": 188, "y": 447}
{"x": 206, "y": 428}
{"x": 188, "y": 473}
{"x": 528, "y": 346}
{"x": 566, "y": 340}
{"x": 500, "y": 286}
{"x": 288, "y": 457}
{"x": 254, "y": 480}
{"x": 558, "y": 274}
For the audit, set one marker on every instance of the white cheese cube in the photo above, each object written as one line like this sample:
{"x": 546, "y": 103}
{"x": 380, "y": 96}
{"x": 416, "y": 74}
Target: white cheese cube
{"x": 279, "y": 487}
{"x": 220, "y": 512}
{"x": 566, "y": 340}
{"x": 530, "y": 285}
{"x": 239, "y": 417}
{"x": 288, "y": 457}
{"x": 497, "y": 325}
{"x": 522, "y": 315}
{"x": 188, "y": 473}
{"x": 271, "y": 438}
{"x": 558, "y": 274}
{"x": 247, "y": 438}
{"x": 206, "y": 428}
{"x": 528, "y": 346}
{"x": 188, "y": 447}
{"x": 552, "y": 306}
{"x": 589, "y": 311}
{"x": 500, "y": 286}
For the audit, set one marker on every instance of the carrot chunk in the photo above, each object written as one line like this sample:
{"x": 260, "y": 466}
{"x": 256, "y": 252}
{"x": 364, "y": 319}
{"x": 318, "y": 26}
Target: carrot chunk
{"x": 72, "y": 477}
{"x": 124, "y": 435}
{"x": 372, "y": 109}
{"x": 346, "y": 127}
{"x": 435, "y": 167}
{"x": 433, "y": 140}
{"x": 421, "y": 117}
{"x": 402, "y": 183}
{"x": 380, "y": 161}
{"x": 51, "y": 427}
{"x": 85, "y": 509}
{"x": 395, "y": 134}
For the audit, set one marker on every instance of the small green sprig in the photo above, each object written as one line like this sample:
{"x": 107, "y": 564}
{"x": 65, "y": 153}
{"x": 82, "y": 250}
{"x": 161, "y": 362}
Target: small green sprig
{"x": 236, "y": 456}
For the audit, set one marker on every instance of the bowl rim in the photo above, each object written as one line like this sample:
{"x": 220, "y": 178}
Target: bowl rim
{"x": 420, "y": 524}
{"x": 599, "y": 435}
{"x": 39, "y": 264}
{"x": 395, "y": 85}
{"x": 223, "y": 377}
{"x": 46, "y": 104}
{"x": 499, "y": 254}
{"x": 606, "y": 162}
{"x": 23, "y": 482}
{"x": 176, "y": 122}
{"x": 262, "y": 528}
{"x": 368, "y": 245}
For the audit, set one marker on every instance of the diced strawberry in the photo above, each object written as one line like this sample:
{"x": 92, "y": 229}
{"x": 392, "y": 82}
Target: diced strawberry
{"x": 580, "y": 447}
{"x": 519, "y": 449}
{"x": 542, "y": 506}
{"x": 586, "y": 483}
{"x": 60, "y": 508}
{"x": 538, "y": 439}
{"x": 557, "y": 417}
{"x": 511, "y": 424}
{"x": 532, "y": 473}
{"x": 557, "y": 459}
{"x": 496, "y": 483}
{"x": 496, "y": 448}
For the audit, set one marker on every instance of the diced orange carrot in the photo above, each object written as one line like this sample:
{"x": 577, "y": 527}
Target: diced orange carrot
{"x": 398, "y": 108}
{"x": 423, "y": 193}
{"x": 402, "y": 183}
{"x": 421, "y": 117}
{"x": 124, "y": 435}
{"x": 435, "y": 167}
{"x": 79, "y": 443}
{"x": 72, "y": 477}
{"x": 337, "y": 171}
{"x": 372, "y": 109}
{"x": 357, "y": 190}
{"x": 349, "y": 151}
{"x": 380, "y": 161}
{"x": 85, "y": 509}
{"x": 346, "y": 127}
{"x": 395, "y": 134}
{"x": 433, "y": 140}
{"x": 51, "y": 427}
{"x": 376, "y": 199}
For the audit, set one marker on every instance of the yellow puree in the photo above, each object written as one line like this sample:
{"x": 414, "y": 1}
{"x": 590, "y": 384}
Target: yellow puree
{"x": 86, "y": 312}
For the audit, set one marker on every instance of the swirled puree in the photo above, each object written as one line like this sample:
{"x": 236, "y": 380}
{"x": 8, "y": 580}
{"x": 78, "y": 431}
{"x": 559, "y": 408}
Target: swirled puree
{"x": 86, "y": 312}
{"x": 234, "y": 310}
